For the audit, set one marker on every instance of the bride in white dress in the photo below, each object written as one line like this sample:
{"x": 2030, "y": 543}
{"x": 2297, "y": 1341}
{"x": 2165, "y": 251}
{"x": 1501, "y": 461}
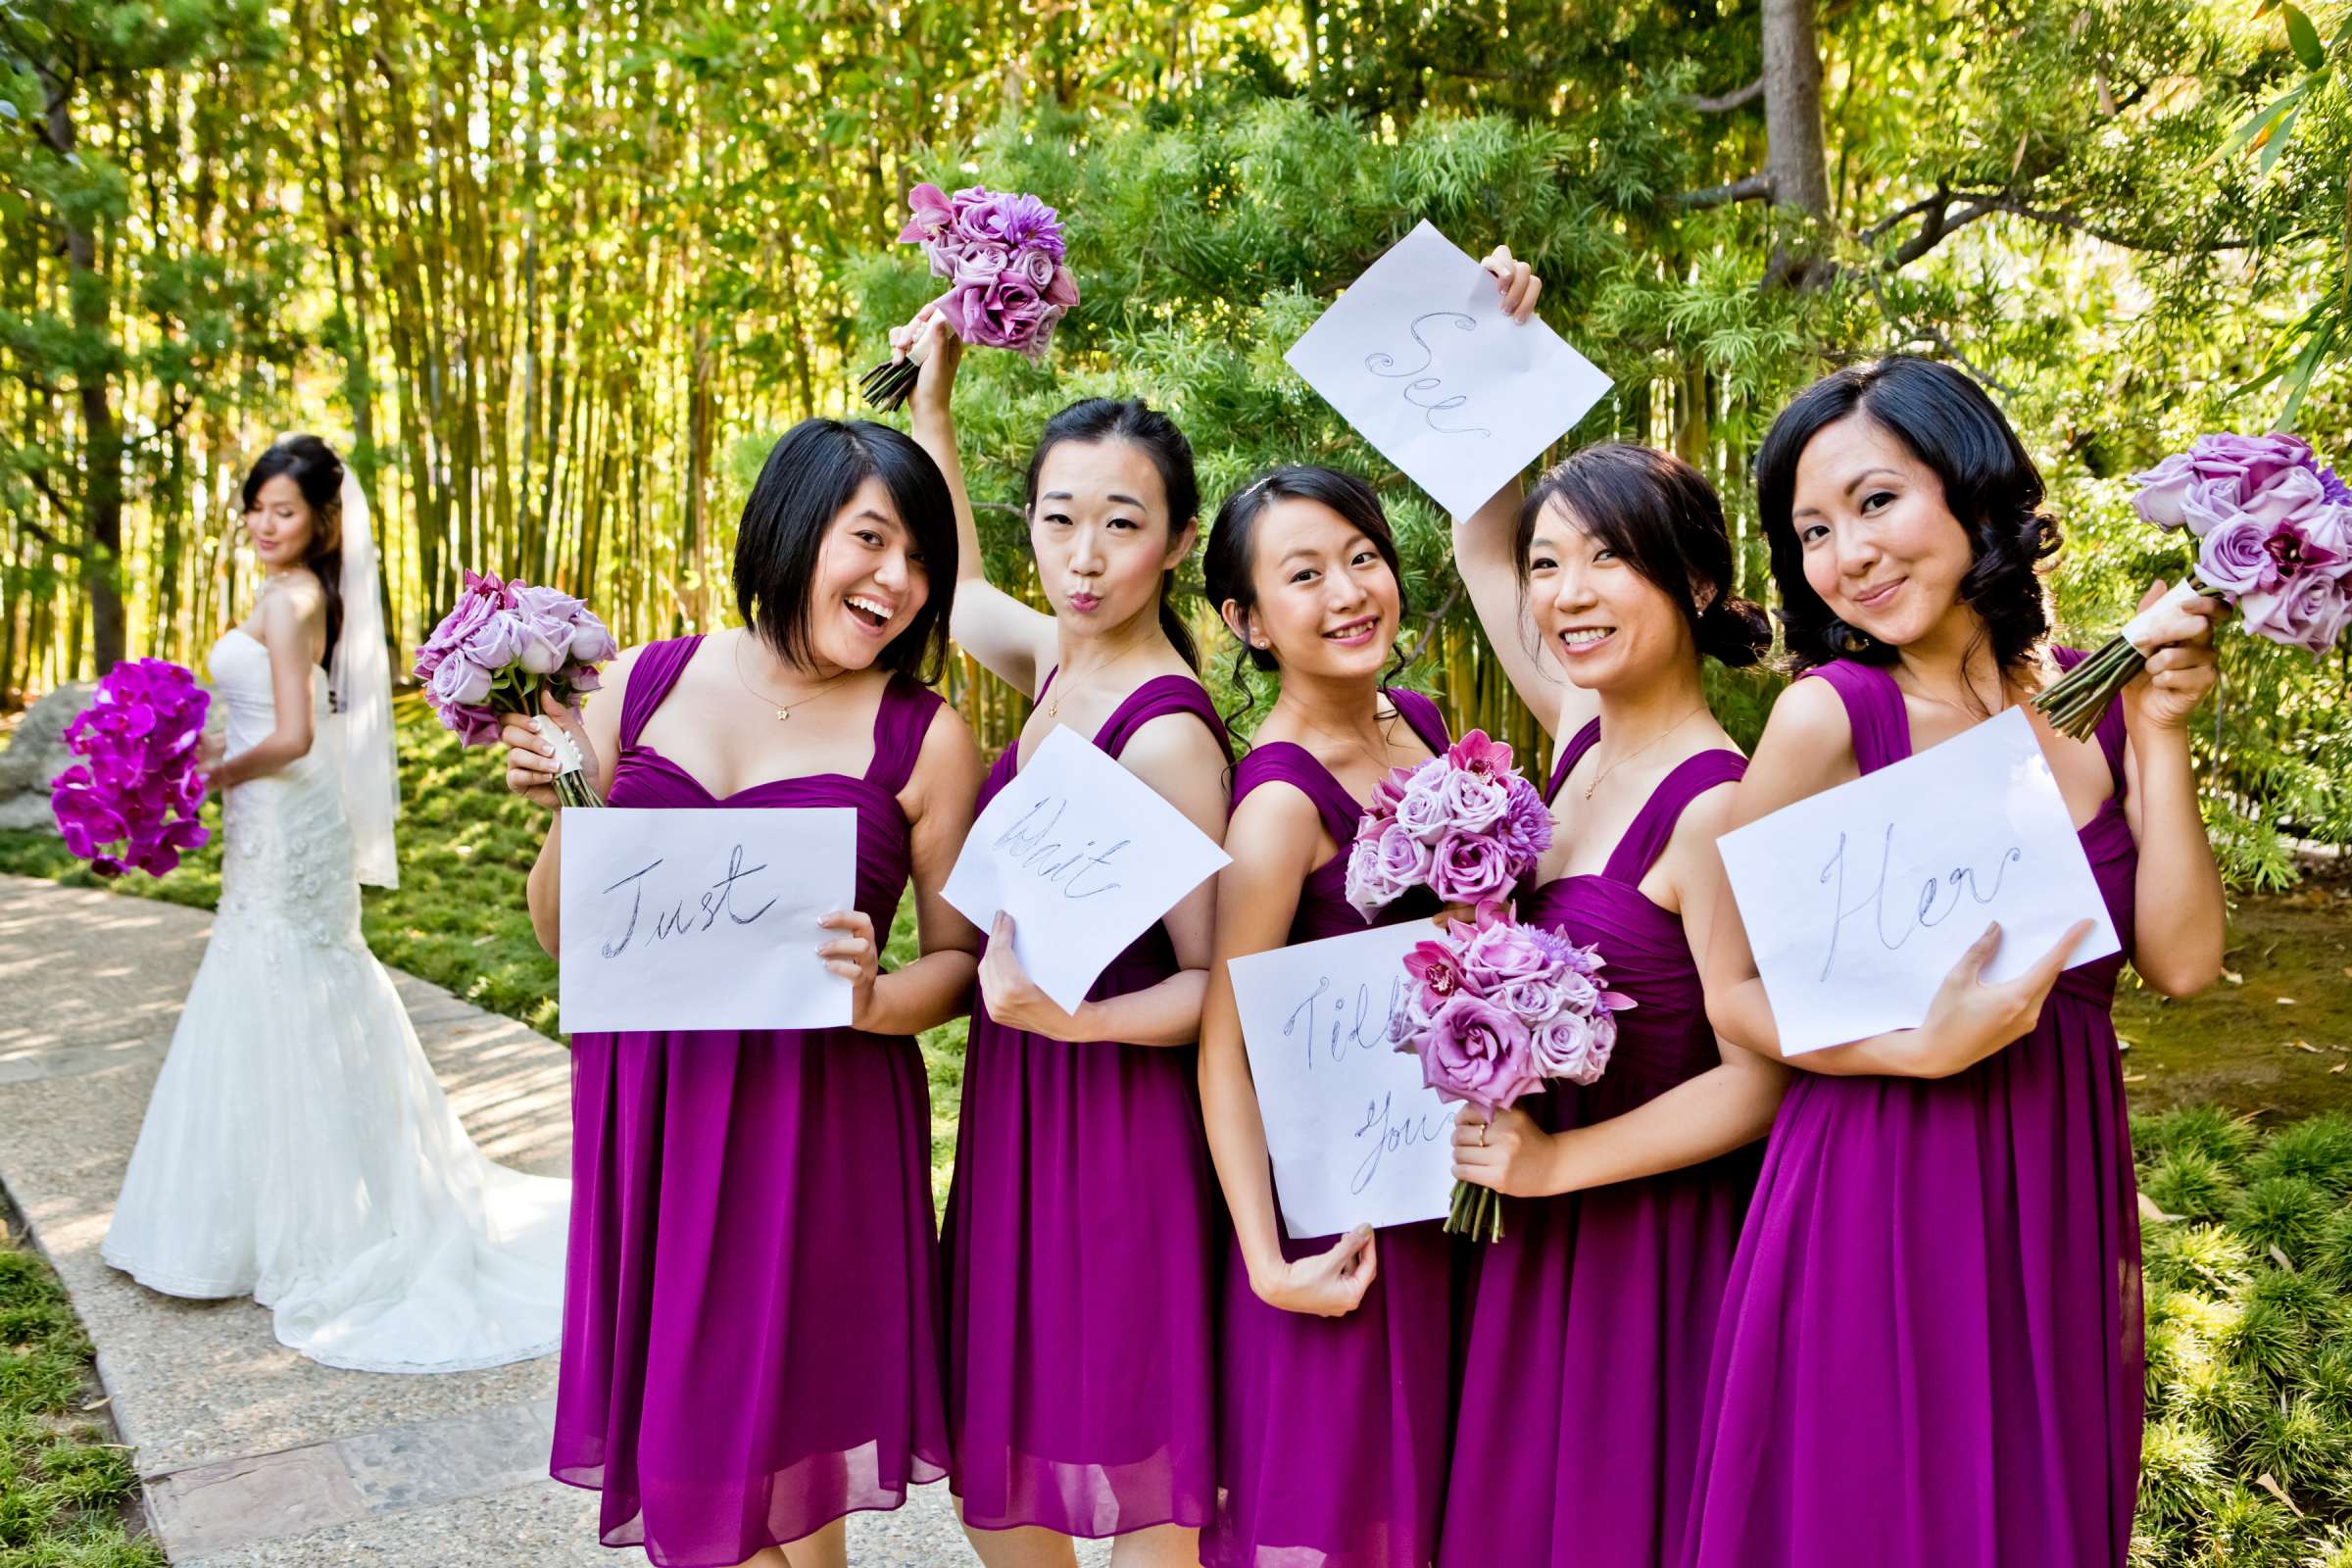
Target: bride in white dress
{"x": 298, "y": 1147}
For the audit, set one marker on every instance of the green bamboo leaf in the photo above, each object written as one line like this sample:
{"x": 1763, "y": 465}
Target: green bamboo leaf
{"x": 2276, "y": 142}
{"x": 2262, "y": 120}
{"x": 2303, "y": 38}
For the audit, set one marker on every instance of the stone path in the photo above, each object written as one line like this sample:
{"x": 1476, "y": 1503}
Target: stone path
{"x": 251, "y": 1454}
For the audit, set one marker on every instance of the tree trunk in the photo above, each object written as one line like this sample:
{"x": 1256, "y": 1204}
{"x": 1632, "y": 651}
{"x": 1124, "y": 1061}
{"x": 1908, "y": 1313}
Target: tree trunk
{"x": 102, "y": 495}
{"x": 1796, "y": 157}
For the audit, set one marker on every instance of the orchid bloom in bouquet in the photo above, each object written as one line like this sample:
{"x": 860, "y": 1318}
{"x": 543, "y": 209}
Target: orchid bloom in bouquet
{"x": 504, "y": 649}
{"x": 141, "y": 784}
{"x": 1008, "y": 277}
{"x": 1492, "y": 1008}
{"x": 1465, "y": 825}
{"x": 2273, "y": 532}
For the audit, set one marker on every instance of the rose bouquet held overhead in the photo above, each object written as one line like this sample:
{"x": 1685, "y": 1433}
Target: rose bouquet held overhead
{"x": 505, "y": 648}
{"x": 1492, "y": 1008}
{"x": 2273, "y": 533}
{"x": 137, "y": 786}
{"x": 1007, "y": 273}
{"x": 1464, "y": 825}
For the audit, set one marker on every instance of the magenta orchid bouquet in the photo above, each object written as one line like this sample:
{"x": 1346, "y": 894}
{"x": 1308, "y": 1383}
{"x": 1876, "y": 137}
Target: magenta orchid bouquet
{"x": 1492, "y": 1008}
{"x": 1465, "y": 825}
{"x": 2273, "y": 532}
{"x": 1007, "y": 266}
{"x": 140, "y": 786}
{"x": 504, "y": 647}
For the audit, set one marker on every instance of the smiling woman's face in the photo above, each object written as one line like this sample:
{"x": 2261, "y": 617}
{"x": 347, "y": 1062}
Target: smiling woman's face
{"x": 870, "y": 581}
{"x": 1327, "y": 602}
{"x": 1880, "y": 546}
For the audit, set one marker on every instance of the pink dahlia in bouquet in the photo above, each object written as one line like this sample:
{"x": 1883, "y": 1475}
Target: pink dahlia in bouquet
{"x": 1465, "y": 825}
{"x": 140, "y": 787}
{"x": 2273, "y": 533}
{"x": 1007, "y": 273}
{"x": 505, "y": 647}
{"x": 1492, "y": 1008}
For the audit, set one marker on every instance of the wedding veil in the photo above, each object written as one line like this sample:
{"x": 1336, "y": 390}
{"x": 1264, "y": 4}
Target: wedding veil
{"x": 361, "y": 678}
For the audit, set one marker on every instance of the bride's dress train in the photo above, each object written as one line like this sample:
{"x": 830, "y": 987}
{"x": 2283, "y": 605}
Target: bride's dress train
{"x": 298, "y": 1147}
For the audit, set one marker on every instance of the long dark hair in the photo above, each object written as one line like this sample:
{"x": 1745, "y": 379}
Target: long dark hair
{"x": 1664, "y": 520}
{"x": 811, "y": 472}
{"x": 1226, "y": 565}
{"x": 1990, "y": 484}
{"x": 318, "y": 475}
{"x": 1094, "y": 419}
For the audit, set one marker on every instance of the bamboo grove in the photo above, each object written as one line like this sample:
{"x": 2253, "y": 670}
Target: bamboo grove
{"x": 553, "y": 275}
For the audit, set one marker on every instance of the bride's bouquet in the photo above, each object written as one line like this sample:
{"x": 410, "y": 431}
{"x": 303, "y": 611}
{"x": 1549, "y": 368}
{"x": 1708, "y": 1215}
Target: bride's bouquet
{"x": 1493, "y": 1008}
{"x": 1007, "y": 273}
{"x": 1464, "y": 825}
{"x": 503, "y": 648}
{"x": 139, "y": 786}
{"x": 2273, "y": 532}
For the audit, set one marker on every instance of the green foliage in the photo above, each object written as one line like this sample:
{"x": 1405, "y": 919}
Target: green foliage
{"x": 64, "y": 1489}
{"x": 2248, "y": 1451}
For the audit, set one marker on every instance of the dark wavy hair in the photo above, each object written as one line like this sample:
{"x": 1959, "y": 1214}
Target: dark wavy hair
{"x": 1663, "y": 519}
{"x": 1226, "y": 565}
{"x": 318, "y": 472}
{"x": 1131, "y": 419}
{"x": 811, "y": 474}
{"x": 1945, "y": 420}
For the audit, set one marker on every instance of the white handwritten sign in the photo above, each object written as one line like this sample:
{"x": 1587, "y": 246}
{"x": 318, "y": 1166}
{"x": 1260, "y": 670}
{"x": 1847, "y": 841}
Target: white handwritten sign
{"x": 1858, "y": 900}
{"x": 703, "y": 919}
{"x": 1084, "y": 856}
{"x": 1419, "y": 355}
{"x": 1355, "y": 1136}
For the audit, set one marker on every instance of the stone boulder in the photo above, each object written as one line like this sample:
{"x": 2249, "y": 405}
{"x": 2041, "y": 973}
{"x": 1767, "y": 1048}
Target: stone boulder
{"x": 36, "y": 753}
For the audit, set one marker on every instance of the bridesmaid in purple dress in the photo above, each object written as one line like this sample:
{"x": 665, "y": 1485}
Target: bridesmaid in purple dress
{"x": 1929, "y": 1351}
{"x": 1083, "y": 1229}
{"x": 751, "y": 1316}
{"x": 1334, "y": 1367}
{"x": 1590, "y": 1323}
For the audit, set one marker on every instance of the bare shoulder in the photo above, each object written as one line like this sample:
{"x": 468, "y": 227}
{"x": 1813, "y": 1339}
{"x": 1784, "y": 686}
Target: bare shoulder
{"x": 1808, "y": 713}
{"x": 1173, "y": 744}
{"x": 946, "y": 765}
{"x": 1276, "y": 824}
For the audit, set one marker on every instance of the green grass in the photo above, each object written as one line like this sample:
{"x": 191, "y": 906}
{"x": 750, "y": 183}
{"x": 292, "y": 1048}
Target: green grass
{"x": 67, "y": 1488}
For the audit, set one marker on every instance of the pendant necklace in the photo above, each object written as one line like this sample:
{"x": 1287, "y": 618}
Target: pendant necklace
{"x": 1602, "y": 776}
{"x": 783, "y": 709}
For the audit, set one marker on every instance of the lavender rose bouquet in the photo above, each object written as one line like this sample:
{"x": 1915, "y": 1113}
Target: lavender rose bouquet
{"x": 2273, "y": 532}
{"x": 139, "y": 786}
{"x": 1464, "y": 825}
{"x": 1007, "y": 273}
{"x": 504, "y": 647}
{"x": 1493, "y": 1009}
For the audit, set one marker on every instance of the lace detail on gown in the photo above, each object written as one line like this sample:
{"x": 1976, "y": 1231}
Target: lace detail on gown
{"x": 298, "y": 1147}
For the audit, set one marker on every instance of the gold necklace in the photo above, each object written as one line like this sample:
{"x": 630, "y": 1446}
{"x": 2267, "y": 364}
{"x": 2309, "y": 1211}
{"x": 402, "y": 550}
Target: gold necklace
{"x": 1062, "y": 681}
{"x": 1600, "y": 777}
{"x": 783, "y": 709}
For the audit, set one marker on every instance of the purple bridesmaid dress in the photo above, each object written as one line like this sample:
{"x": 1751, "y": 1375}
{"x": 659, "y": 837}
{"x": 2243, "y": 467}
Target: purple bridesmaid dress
{"x": 750, "y": 1308}
{"x": 1591, "y": 1322}
{"x": 1083, "y": 1235}
{"x": 1931, "y": 1346}
{"x": 1332, "y": 1432}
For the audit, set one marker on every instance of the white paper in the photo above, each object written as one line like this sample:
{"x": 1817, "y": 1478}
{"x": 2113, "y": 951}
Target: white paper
{"x": 705, "y": 919}
{"x": 1084, "y": 856}
{"x": 1858, "y": 900}
{"x": 1355, "y": 1135}
{"x": 1420, "y": 358}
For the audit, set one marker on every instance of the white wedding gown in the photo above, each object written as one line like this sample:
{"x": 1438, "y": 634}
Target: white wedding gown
{"x": 298, "y": 1148}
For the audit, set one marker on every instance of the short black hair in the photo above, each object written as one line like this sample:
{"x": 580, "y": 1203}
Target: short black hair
{"x": 1662, "y": 518}
{"x": 1132, "y": 419}
{"x": 810, "y": 476}
{"x": 1945, "y": 421}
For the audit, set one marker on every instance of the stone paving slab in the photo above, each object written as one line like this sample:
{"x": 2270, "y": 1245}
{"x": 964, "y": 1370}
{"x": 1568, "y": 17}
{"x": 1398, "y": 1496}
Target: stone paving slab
{"x": 251, "y": 1454}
